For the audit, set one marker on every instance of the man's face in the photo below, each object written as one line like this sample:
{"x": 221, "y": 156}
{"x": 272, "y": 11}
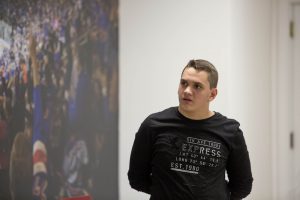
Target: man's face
{"x": 194, "y": 92}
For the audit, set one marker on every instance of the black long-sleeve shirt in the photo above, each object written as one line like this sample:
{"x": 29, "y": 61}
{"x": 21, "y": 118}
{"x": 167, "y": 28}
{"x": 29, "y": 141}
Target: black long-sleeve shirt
{"x": 176, "y": 158}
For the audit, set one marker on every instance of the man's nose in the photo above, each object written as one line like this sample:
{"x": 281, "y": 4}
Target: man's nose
{"x": 188, "y": 90}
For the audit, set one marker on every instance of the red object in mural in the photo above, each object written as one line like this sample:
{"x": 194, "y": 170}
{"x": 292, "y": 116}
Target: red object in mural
{"x": 78, "y": 198}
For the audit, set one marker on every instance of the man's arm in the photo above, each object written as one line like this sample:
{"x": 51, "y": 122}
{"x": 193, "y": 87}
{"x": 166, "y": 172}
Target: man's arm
{"x": 239, "y": 169}
{"x": 139, "y": 173}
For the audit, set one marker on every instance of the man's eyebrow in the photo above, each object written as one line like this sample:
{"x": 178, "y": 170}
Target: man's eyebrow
{"x": 193, "y": 82}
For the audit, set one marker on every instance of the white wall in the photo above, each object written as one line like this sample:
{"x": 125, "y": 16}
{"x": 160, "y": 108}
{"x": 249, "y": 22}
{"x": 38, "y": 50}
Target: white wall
{"x": 285, "y": 158}
{"x": 249, "y": 88}
{"x": 158, "y": 37}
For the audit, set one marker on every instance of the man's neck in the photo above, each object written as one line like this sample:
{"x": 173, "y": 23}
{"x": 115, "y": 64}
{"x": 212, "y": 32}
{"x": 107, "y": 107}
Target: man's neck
{"x": 196, "y": 115}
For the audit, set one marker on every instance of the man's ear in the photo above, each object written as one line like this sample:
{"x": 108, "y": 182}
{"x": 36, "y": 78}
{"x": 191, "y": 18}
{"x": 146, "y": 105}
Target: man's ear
{"x": 213, "y": 94}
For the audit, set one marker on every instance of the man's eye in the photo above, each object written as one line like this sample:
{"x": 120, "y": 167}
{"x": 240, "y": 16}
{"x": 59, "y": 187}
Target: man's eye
{"x": 197, "y": 86}
{"x": 183, "y": 83}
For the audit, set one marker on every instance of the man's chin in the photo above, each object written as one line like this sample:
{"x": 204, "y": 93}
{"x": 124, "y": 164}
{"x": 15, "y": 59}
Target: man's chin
{"x": 185, "y": 108}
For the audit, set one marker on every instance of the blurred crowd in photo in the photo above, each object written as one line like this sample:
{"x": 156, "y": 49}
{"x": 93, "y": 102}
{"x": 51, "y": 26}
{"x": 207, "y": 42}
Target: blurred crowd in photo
{"x": 58, "y": 99}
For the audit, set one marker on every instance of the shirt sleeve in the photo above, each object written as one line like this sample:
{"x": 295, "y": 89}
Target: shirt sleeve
{"x": 139, "y": 173}
{"x": 239, "y": 168}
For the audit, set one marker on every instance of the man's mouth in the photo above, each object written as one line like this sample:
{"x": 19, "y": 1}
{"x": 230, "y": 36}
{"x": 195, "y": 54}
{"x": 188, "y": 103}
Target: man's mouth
{"x": 187, "y": 100}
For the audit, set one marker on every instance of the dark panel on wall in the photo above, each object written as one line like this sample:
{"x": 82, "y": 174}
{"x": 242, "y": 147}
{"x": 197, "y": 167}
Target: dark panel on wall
{"x": 58, "y": 99}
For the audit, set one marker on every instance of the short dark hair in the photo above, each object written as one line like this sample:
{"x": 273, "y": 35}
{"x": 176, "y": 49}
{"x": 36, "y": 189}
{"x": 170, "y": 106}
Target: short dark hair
{"x": 204, "y": 65}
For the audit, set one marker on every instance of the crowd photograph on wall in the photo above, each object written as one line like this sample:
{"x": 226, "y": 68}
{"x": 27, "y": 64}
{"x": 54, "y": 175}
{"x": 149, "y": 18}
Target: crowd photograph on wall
{"x": 58, "y": 99}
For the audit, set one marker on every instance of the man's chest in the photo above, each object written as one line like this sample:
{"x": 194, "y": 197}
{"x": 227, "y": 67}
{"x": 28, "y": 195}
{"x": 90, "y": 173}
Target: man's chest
{"x": 191, "y": 152}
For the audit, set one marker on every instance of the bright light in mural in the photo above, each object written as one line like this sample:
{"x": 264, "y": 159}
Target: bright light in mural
{"x": 59, "y": 99}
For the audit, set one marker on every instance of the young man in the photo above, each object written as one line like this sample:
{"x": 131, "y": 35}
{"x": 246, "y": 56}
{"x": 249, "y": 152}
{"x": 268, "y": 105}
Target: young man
{"x": 182, "y": 153}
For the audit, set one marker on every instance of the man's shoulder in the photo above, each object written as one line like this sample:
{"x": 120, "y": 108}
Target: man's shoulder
{"x": 168, "y": 114}
{"x": 164, "y": 114}
{"x": 227, "y": 122}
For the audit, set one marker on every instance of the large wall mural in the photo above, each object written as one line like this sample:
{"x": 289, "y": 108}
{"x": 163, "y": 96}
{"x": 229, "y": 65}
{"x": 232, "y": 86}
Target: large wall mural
{"x": 58, "y": 99}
